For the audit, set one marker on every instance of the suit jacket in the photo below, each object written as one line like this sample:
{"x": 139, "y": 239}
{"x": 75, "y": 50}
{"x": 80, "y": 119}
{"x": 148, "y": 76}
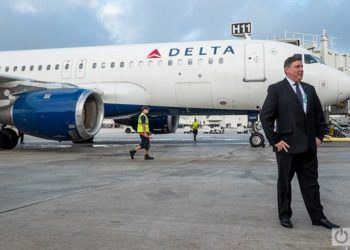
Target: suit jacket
{"x": 293, "y": 125}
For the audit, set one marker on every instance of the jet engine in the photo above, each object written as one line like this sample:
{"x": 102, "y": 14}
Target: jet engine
{"x": 58, "y": 114}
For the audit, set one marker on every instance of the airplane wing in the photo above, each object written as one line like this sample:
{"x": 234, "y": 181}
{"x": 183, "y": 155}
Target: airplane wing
{"x": 11, "y": 86}
{"x": 5, "y": 79}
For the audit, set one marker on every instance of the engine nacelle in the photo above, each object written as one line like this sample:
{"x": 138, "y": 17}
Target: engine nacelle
{"x": 163, "y": 124}
{"x": 59, "y": 114}
{"x": 158, "y": 124}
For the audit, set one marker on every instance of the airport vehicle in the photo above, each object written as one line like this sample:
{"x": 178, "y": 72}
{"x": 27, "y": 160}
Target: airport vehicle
{"x": 213, "y": 130}
{"x": 188, "y": 130}
{"x": 206, "y": 129}
{"x": 64, "y": 94}
{"x": 242, "y": 130}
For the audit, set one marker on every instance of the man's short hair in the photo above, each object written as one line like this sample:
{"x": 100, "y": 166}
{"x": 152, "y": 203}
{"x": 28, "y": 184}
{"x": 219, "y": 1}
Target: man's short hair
{"x": 291, "y": 59}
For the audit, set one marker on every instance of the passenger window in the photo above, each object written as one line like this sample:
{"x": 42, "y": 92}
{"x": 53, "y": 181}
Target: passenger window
{"x": 66, "y": 66}
{"x": 48, "y": 67}
{"x": 103, "y": 65}
{"x": 112, "y": 65}
{"x": 57, "y": 66}
{"x": 170, "y": 62}
{"x": 160, "y": 63}
{"x": 122, "y": 64}
{"x": 309, "y": 59}
{"x": 190, "y": 61}
{"x": 140, "y": 63}
{"x": 94, "y": 65}
{"x": 81, "y": 66}
{"x": 23, "y": 68}
{"x": 150, "y": 63}
{"x": 7, "y": 69}
{"x": 210, "y": 60}
{"x": 15, "y": 68}
{"x": 131, "y": 64}
{"x": 221, "y": 60}
{"x": 179, "y": 62}
{"x": 200, "y": 61}
{"x": 31, "y": 67}
{"x": 40, "y": 67}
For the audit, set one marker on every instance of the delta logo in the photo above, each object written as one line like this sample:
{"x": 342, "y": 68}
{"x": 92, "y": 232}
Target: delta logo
{"x": 191, "y": 51}
{"x": 154, "y": 55}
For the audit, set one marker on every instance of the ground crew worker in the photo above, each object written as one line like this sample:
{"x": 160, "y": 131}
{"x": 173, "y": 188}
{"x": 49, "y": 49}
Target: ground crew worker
{"x": 195, "y": 126}
{"x": 144, "y": 132}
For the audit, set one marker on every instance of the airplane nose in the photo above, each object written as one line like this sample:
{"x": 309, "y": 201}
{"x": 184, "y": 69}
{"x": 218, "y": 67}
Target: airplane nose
{"x": 344, "y": 88}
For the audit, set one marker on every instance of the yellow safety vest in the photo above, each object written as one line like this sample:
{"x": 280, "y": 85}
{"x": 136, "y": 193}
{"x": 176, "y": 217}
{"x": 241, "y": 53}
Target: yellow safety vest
{"x": 139, "y": 124}
{"x": 195, "y": 125}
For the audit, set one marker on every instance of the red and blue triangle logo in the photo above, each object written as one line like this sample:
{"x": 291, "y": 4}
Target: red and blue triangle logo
{"x": 154, "y": 54}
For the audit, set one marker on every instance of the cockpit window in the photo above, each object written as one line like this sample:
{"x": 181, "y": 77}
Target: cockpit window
{"x": 319, "y": 60}
{"x": 312, "y": 59}
{"x": 309, "y": 59}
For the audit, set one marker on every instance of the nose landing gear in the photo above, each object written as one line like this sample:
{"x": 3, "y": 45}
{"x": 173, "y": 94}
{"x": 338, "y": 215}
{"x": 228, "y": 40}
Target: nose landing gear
{"x": 256, "y": 139}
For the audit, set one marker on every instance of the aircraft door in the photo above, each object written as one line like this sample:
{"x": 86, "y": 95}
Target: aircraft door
{"x": 254, "y": 63}
{"x": 81, "y": 68}
{"x": 67, "y": 69}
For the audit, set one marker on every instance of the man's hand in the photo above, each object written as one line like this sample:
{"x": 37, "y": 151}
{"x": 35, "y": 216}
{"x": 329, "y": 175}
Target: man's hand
{"x": 282, "y": 145}
{"x": 318, "y": 142}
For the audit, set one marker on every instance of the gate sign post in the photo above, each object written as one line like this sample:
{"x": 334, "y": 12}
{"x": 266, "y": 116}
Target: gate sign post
{"x": 241, "y": 29}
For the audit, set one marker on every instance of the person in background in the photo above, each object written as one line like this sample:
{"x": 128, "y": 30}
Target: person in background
{"x": 195, "y": 126}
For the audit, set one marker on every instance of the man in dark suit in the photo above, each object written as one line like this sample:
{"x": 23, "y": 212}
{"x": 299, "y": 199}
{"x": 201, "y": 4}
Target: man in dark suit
{"x": 300, "y": 125}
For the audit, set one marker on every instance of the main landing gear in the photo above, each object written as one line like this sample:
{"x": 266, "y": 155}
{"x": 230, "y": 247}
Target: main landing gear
{"x": 256, "y": 139}
{"x": 8, "y": 138}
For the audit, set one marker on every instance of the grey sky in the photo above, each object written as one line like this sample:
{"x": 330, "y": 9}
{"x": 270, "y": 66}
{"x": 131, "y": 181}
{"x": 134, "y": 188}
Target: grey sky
{"x": 32, "y": 24}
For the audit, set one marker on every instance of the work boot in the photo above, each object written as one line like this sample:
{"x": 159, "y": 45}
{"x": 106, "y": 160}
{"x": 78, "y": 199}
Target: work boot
{"x": 147, "y": 157}
{"x": 132, "y": 153}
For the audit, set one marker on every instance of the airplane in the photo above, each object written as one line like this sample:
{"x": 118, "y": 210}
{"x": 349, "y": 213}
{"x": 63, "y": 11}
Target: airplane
{"x": 64, "y": 94}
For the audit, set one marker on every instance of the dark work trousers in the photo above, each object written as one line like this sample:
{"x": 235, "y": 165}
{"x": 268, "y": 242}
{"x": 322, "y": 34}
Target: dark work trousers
{"x": 306, "y": 166}
{"x": 195, "y": 132}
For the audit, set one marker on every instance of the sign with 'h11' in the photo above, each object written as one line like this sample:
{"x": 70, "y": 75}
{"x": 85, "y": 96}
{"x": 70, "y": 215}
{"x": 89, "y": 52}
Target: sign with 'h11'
{"x": 240, "y": 29}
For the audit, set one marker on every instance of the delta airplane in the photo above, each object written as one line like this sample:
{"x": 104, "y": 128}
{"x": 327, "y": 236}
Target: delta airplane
{"x": 64, "y": 94}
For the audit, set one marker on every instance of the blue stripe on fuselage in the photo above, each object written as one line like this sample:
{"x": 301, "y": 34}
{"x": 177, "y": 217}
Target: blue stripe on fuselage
{"x": 114, "y": 110}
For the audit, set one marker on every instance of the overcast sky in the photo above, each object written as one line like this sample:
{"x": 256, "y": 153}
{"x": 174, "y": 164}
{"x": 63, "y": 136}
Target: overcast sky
{"x": 32, "y": 24}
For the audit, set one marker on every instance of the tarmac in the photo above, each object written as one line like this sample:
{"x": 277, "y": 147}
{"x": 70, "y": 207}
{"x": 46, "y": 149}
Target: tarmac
{"x": 217, "y": 193}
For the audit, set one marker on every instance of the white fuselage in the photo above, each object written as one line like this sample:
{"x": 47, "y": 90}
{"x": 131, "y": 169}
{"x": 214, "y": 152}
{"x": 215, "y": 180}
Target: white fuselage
{"x": 223, "y": 75}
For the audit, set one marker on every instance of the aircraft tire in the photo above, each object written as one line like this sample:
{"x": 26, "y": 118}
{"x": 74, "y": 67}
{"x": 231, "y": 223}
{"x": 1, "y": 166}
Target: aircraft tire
{"x": 257, "y": 140}
{"x": 8, "y": 139}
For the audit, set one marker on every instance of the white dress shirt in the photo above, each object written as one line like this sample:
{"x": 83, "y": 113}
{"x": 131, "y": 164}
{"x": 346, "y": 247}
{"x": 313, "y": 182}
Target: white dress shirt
{"x": 291, "y": 82}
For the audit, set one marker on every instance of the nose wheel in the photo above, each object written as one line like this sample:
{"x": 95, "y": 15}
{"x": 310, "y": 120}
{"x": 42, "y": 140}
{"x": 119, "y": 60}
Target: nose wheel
{"x": 257, "y": 140}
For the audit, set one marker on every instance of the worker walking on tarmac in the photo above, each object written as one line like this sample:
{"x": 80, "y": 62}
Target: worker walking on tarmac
{"x": 195, "y": 126}
{"x": 144, "y": 132}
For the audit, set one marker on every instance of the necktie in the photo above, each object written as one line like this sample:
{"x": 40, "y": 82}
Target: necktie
{"x": 299, "y": 94}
